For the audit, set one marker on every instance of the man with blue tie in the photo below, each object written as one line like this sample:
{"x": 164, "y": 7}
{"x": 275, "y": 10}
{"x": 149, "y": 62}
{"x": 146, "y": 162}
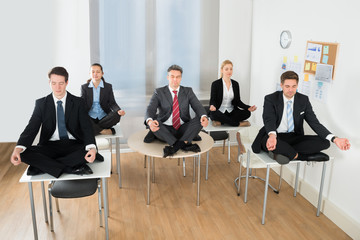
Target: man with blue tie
{"x": 283, "y": 132}
{"x": 168, "y": 115}
{"x": 66, "y": 141}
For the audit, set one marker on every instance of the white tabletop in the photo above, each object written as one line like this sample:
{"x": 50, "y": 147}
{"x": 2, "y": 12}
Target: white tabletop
{"x": 155, "y": 149}
{"x": 118, "y": 133}
{"x": 100, "y": 170}
{"x": 211, "y": 128}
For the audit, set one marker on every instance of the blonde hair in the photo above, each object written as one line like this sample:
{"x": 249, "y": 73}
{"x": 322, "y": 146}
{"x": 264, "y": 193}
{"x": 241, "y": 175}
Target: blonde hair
{"x": 223, "y": 65}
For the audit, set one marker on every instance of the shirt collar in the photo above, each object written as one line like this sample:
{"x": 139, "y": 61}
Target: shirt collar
{"x": 101, "y": 84}
{"x": 223, "y": 81}
{"x": 171, "y": 90}
{"x": 63, "y": 99}
{"x": 286, "y": 100}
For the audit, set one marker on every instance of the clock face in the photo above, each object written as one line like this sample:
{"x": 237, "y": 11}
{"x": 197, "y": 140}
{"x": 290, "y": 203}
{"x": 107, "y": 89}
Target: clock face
{"x": 285, "y": 39}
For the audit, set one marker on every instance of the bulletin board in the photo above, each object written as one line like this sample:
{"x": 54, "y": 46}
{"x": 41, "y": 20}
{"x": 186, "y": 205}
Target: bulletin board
{"x": 320, "y": 52}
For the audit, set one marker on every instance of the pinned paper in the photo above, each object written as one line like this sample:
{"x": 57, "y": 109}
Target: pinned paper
{"x": 285, "y": 59}
{"x": 306, "y": 77}
{"x": 295, "y": 58}
{"x": 326, "y": 50}
{"x": 313, "y": 67}
{"x": 325, "y": 59}
{"x": 307, "y": 66}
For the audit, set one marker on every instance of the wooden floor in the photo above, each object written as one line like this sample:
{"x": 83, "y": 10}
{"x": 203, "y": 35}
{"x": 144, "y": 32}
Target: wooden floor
{"x": 172, "y": 213}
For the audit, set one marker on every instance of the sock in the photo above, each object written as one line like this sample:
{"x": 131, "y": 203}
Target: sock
{"x": 178, "y": 145}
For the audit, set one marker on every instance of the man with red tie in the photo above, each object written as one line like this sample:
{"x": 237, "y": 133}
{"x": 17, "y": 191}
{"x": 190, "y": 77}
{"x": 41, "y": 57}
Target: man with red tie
{"x": 168, "y": 115}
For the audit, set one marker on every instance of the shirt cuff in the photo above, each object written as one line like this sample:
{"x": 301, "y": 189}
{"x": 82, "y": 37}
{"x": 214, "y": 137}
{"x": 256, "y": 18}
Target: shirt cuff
{"x": 204, "y": 116}
{"x": 22, "y": 147}
{"x": 147, "y": 120}
{"x": 272, "y": 132}
{"x": 330, "y": 136}
{"x": 90, "y": 146}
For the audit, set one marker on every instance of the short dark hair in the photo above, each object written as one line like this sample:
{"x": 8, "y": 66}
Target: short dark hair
{"x": 59, "y": 71}
{"x": 289, "y": 75}
{"x": 175, "y": 67}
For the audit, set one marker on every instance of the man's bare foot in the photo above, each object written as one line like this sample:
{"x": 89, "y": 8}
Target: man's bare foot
{"x": 244, "y": 124}
{"x": 106, "y": 132}
{"x": 216, "y": 123}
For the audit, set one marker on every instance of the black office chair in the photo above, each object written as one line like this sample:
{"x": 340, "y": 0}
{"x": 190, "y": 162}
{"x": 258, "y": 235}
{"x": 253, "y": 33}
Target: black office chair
{"x": 73, "y": 189}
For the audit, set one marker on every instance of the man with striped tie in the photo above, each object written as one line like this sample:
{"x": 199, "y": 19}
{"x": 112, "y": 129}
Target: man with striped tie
{"x": 283, "y": 132}
{"x": 168, "y": 115}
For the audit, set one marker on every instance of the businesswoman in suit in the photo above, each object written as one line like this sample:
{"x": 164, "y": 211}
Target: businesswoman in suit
{"x": 100, "y": 102}
{"x": 226, "y": 106}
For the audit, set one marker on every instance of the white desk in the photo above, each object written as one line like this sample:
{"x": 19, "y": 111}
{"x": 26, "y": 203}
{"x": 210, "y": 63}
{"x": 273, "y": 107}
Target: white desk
{"x": 100, "y": 170}
{"x": 117, "y": 137}
{"x": 211, "y": 128}
{"x": 155, "y": 149}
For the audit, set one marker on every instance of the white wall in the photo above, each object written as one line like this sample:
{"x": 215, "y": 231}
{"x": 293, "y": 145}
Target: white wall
{"x": 235, "y": 41}
{"x": 327, "y": 21}
{"x": 36, "y": 36}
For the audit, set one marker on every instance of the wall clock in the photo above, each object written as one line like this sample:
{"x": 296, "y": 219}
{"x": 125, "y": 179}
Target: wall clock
{"x": 285, "y": 39}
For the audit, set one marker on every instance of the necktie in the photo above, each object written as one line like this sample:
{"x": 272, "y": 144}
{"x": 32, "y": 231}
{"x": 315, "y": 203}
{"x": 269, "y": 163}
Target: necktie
{"x": 61, "y": 121}
{"x": 290, "y": 118}
{"x": 176, "y": 112}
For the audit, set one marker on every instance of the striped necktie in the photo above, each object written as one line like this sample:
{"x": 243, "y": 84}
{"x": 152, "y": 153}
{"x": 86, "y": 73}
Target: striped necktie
{"x": 290, "y": 119}
{"x": 176, "y": 112}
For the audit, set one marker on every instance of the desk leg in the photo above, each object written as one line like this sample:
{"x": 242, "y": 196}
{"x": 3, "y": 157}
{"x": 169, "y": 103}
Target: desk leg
{"x": 265, "y": 194}
{"x": 44, "y": 202}
{"x": 118, "y": 160}
{"x": 296, "y": 178}
{"x": 148, "y": 181}
{"x": 198, "y": 185}
{"x": 194, "y": 172}
{"x": 247, "y": 174}
{"x": 153, "y": 169}
{"x": 31, "y": 195}
{"x": 106, "y": 207}
{"x": 229, "y": 149}
{"x": 321, "y": 189}
{"x": 207, "y": 166}
{"x": 111, "y": 151}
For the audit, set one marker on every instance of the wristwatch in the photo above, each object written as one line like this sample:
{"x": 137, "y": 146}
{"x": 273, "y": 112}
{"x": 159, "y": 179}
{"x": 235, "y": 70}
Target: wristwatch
{"x": 333, "y": 138}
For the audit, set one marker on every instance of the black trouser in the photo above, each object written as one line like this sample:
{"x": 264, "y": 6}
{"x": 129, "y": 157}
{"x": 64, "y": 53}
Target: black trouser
{"x": 289, "y": 144}
{"x": 233, "y": 118}
{"x": 55, "y": 156}
{"x": 105, "y": 123}
{"x": 187, "y": 132}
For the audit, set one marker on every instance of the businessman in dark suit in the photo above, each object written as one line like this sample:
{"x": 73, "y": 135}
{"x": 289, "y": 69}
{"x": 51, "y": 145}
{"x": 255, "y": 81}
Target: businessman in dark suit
{"x": 67, "y": 140}
{"x": 100, "y": 102}
{"x": 168, "y": 114}
{"x": 283, "y": 133}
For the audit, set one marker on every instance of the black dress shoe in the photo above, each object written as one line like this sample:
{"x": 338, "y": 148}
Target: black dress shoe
{"x": 192, "y": 147}
{"x": 150, "y": 137}
{"x": 197, "y": 138}
{"x": 99, "y": 157}
{"x": 32, "y": 171}
{"x": 82, "y": 170}
{"x": 169, "y": 151}
{"x": 279, "y": 158}
{"x": 315, "y": 157}
{"x": 113, "y": 131}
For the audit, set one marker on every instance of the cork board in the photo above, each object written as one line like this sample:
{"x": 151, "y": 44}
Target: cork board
{"x": 320, "y": 52}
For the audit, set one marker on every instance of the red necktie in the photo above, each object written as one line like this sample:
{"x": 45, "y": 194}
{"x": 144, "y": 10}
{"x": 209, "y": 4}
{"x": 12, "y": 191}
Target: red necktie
{"x": 176, "y": 112}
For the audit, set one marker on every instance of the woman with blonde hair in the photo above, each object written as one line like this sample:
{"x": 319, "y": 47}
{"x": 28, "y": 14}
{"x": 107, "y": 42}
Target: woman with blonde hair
{"x": 226, "y": 106}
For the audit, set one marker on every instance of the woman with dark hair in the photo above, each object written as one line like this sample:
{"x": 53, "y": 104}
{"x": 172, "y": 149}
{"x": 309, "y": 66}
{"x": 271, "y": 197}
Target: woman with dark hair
{"x": 100, "y": 102}
{"x": 226, "y": 106}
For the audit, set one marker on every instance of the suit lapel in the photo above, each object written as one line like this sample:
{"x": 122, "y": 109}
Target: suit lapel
{"x": 51, "y": 110}
{"x": 296, "y": 112}
{"x": 68, "y": 107}
{"x": 280, "y": 107}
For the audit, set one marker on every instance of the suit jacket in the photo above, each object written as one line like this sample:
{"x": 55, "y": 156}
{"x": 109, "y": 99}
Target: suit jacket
{"x": 273, "y": 111}
{"x": 44, "y": 115}
{"x": 160, "y": 106}
{"x": 107, "y": 100}
{"x": 216, "y": 97}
